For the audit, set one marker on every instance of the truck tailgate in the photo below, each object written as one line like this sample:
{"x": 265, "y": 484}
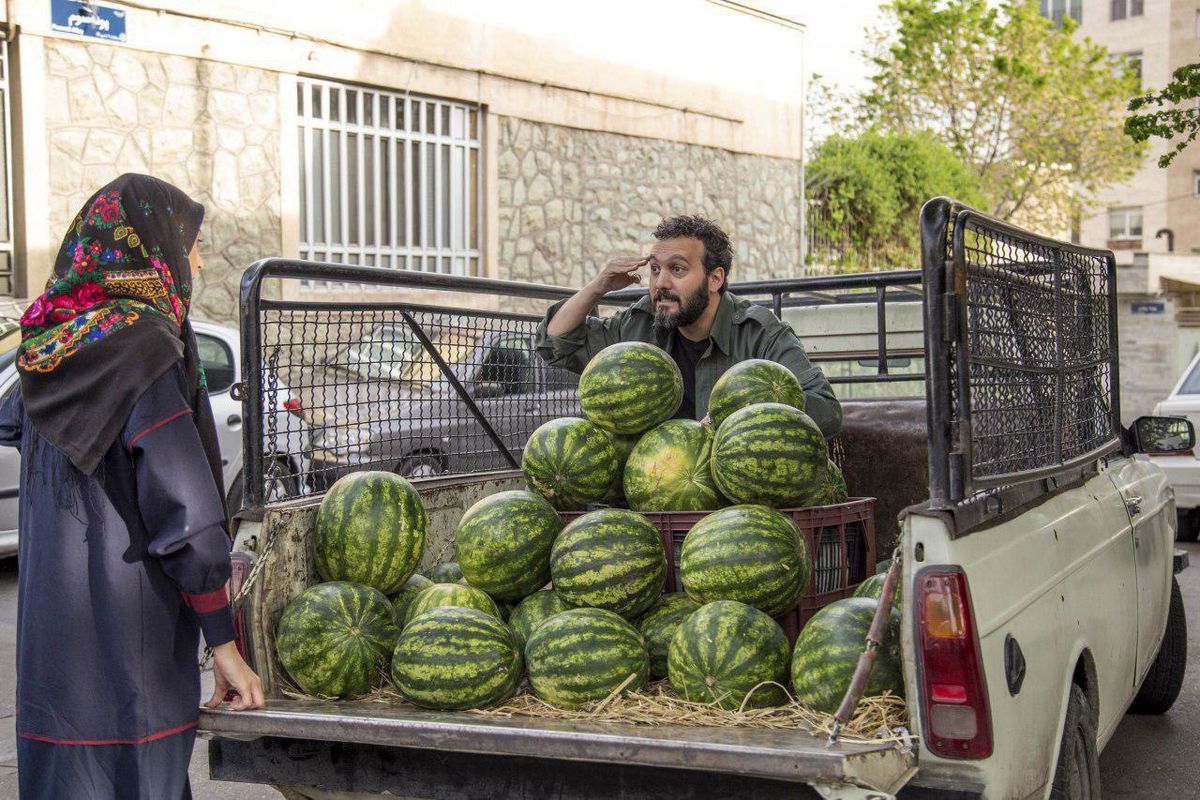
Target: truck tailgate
{"x": 793, "y": 756}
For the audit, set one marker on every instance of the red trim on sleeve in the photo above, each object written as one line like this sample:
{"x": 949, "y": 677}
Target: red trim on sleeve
{"x": 92, "y": 742}
{"x": 156, "y": 426}
{"x": 207, "y": 602}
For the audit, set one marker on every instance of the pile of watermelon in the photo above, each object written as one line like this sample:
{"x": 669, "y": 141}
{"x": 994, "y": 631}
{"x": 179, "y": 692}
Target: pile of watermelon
{"x": 576, "y": 612}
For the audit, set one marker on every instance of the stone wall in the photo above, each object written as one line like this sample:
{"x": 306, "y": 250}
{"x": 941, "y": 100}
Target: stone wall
{"x": 210, "y": 128}
{"x": 571, "y": 199}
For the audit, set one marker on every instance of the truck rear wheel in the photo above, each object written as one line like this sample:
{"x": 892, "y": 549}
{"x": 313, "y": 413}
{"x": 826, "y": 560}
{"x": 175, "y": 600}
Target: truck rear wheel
{"x": 1165, "y": 678}
{"x": 1077, "y": 776}
{"x": 1187, "y": 524}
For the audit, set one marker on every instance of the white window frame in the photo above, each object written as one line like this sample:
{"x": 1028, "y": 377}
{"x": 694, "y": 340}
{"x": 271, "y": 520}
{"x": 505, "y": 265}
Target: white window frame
{"x": 427, "y": 216}
{"x": 1126, "y": 215}
{"x": 6, "y": 242}
{"x": 1126, "y": 9}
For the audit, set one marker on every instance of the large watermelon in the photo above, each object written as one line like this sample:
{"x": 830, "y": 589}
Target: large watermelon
{"x": 445, "y": 572}
{"x": 827, "y": 652}
{"x": 503, "y": 543}
{"x": 454, "y": 658}
{"x": 624, "y": 446}
{"x": 630, "y": 387}
{"x": 658, "y": 626}
{"x": 534, "y": 610}
{"x": 582, "y": 655}
{"x": 336, "y": 638}
{"x": 834, "y": 484}
{"x": 402, "y": 599}
{"x": 668, "y": 469}
{"x": 754, "y": 380}
{"x": 612, "y": 559}
{"x": 370, "y": 530}
{"x": 751, "y": 554}
{"x": 725, "y": 650}
{"x": 770, "y": 454}
{"x": 450, "y": 594}
{"x": 571, "y": 462}
{"x": 872, "y": 587}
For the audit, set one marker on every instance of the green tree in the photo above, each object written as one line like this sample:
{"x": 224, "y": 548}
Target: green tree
{"x": 1164, "y": 114}
{"x": 1032, "y": 109}
{"x": 866, "y": 191}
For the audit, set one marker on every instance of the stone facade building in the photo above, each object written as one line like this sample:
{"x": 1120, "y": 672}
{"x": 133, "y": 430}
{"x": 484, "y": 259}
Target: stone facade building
{"x": 516, "y": 140}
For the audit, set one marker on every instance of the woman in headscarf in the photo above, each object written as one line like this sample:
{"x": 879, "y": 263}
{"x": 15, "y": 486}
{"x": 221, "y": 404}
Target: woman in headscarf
{"x": 124, "y": 551}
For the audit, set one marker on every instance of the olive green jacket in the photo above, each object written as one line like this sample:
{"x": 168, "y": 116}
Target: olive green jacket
{"x": 741, "y": 330}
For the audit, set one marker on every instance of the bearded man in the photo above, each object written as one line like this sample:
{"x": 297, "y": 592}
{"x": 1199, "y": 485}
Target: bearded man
{"x": 688, "y": 313}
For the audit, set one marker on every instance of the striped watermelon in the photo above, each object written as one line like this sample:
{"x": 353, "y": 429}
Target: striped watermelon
{"x": 834, "y": 485}
{"x": 658, "y": 626}
{"x": 335, "y": 639}
{"x": 456, "y": 658}
{"x": 370, "y": 530}
{"x": 446, "y": 572}
{"x": 402, "y": 599}
{"x": 534, "y": 610}
{"x": 630, "y": 387}
{"x": 669, "y": 470}
{"x": 725, "y": 650}
{"x": 754, "y": 380}
{"x": 624, "y": 446}
{"x": 582, "y": 655}
{"x": 751, "y": 554}
{"x": 770, "y": 454}
{"x": 872, "y": 587}
{"x": 612, "y": 559}
{"x": 571, "y": 462}
{"x": 503, "y": 543}
{"x": 827, "y": 652}
{"x": 450, "y": 594}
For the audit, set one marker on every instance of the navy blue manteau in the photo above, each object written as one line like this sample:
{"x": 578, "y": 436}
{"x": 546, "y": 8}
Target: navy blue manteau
{"x": 120, "y": 571}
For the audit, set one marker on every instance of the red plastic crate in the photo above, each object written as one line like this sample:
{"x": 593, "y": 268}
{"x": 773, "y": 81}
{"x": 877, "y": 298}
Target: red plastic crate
{"x": 840, "y": 540}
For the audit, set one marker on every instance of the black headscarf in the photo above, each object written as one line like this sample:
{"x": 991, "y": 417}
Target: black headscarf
{"x": 113, "y": 319}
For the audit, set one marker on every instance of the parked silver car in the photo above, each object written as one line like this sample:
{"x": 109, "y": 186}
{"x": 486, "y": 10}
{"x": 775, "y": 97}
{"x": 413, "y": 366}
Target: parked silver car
{"x": 220, "y": 353}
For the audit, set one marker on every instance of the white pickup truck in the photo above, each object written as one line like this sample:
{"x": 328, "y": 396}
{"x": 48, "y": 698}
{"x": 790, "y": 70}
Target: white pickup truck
{"x": 981, "y": 409}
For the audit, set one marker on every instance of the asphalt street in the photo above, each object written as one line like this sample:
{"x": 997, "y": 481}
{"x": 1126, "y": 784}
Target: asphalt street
{"x": 1149, "y": 757}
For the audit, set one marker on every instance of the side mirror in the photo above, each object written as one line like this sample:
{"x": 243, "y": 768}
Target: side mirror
{"x": 1163, "y": 435}
{"x": 488, "y": 389}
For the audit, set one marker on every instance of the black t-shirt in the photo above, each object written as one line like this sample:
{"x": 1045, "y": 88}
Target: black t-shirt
{"x": 687, "y": 354}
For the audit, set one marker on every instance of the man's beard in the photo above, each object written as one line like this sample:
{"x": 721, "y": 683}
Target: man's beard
{"x": 689, "y": 311}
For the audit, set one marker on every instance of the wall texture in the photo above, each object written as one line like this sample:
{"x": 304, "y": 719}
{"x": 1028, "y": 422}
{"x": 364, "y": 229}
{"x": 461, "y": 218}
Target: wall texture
{"x": 571, "y": 199}
{"x": 210, "y": 128}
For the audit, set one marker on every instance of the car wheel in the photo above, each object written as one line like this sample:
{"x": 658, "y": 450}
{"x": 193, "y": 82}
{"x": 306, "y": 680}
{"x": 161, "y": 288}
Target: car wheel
{"x": 1077, "y": 776}
{"x": 426, "y": 466}
{"x": 1187, "y": 527}
{"x": 1165, "y": 678}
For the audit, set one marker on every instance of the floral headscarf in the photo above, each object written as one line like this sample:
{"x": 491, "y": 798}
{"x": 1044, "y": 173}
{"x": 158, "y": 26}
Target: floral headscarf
{"x": 113, "y": 318}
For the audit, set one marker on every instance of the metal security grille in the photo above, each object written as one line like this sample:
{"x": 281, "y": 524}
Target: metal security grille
{"x": 388, "y": 179}
{"x": 6, "y": 212}
{"x": 1024, "y": 374}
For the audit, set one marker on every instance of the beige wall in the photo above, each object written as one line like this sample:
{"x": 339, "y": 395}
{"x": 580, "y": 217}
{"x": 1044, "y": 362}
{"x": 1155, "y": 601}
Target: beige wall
{"x": 1183, "y": 206}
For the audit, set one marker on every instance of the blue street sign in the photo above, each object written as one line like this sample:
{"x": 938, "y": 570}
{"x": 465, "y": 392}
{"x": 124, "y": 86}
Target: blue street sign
{"x": 88, "y": 19}
{"x": 1149, "y": 308}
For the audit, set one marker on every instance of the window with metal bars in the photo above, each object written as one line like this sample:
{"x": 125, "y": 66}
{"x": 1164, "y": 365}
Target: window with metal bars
{"x": 6, "y": 213}
{"x": 1122, "y": 9}
{"x": 388, "y": 179}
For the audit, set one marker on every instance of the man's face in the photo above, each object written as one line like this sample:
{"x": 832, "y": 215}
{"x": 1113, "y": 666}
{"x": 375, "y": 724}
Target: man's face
{"x": 679, "y": 286}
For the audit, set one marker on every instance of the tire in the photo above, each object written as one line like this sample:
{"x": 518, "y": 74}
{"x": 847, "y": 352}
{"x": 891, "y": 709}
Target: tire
{"x": 1165, "y": 678}
{"x": 1077, "y": 775}
{"x": 1187, "y": 528}
{"x": 421, "y": 466}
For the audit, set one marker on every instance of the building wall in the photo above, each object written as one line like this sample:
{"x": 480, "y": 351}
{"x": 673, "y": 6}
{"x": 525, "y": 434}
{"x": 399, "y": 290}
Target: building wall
{"x": 1183, "y": 205}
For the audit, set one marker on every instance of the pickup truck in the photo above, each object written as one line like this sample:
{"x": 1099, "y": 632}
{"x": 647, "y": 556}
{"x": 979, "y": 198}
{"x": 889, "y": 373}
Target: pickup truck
{"x": 981, "y": 409}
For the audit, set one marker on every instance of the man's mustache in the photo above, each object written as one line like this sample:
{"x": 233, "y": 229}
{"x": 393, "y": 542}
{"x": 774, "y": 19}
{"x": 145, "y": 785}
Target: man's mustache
{"x": 665, "y": 295}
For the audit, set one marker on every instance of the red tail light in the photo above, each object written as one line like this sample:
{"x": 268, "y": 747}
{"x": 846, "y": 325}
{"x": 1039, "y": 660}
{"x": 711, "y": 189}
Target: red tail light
{"x": 957, "y": 715}
{"x": 292, "y": 406}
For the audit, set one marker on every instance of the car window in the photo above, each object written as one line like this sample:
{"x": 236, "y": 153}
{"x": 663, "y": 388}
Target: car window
{"x": 509, "y": 362}
{"x": 217, "y": 359}
{"x": 1191, "y": 384}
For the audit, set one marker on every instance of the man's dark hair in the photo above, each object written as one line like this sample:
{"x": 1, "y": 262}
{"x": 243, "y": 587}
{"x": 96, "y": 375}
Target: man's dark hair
{"x": 718, "y": 252}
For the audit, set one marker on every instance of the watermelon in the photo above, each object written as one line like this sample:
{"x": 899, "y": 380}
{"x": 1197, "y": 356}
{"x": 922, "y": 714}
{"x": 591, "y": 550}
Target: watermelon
{"x": 770, "y": 454}
{"x": 450, "y": 594}
{"x": 534, "y": 610}
{"x": 370, "y": 531}
{"x": 503, "y": 543}
{"x": 582, "y": 655}
{"x": 455, "y": 658}
{"x": 446, "y": 572}
{"x": 872, "y": 587}
{"x": 335, "y": 639}
{"x": 506, "y": 610}
{"x": 624, "y": 446}
{"x": 834, "y": 485}
{"x": 630, "y": 387}
{"x": 751, "y": 554}
{"x": 658, "y": 626}
{"x": 723, "y": 651}
{"x": 668, "y": 469}
{"x": 827, "y": 652}
{"x": 571, "y": 462}
{"x": 402, "y": 599}
{"x": 611, "y": 558}
{"x": 754, "y": 380}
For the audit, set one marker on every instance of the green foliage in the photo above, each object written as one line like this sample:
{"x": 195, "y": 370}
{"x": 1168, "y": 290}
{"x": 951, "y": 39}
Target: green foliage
{"x": 868, "y": 190}
{"x": 1164, "y": 114}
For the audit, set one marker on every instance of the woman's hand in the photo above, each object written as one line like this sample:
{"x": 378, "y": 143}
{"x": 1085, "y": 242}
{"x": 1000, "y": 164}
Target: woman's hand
{"x": 232, "y": 672}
